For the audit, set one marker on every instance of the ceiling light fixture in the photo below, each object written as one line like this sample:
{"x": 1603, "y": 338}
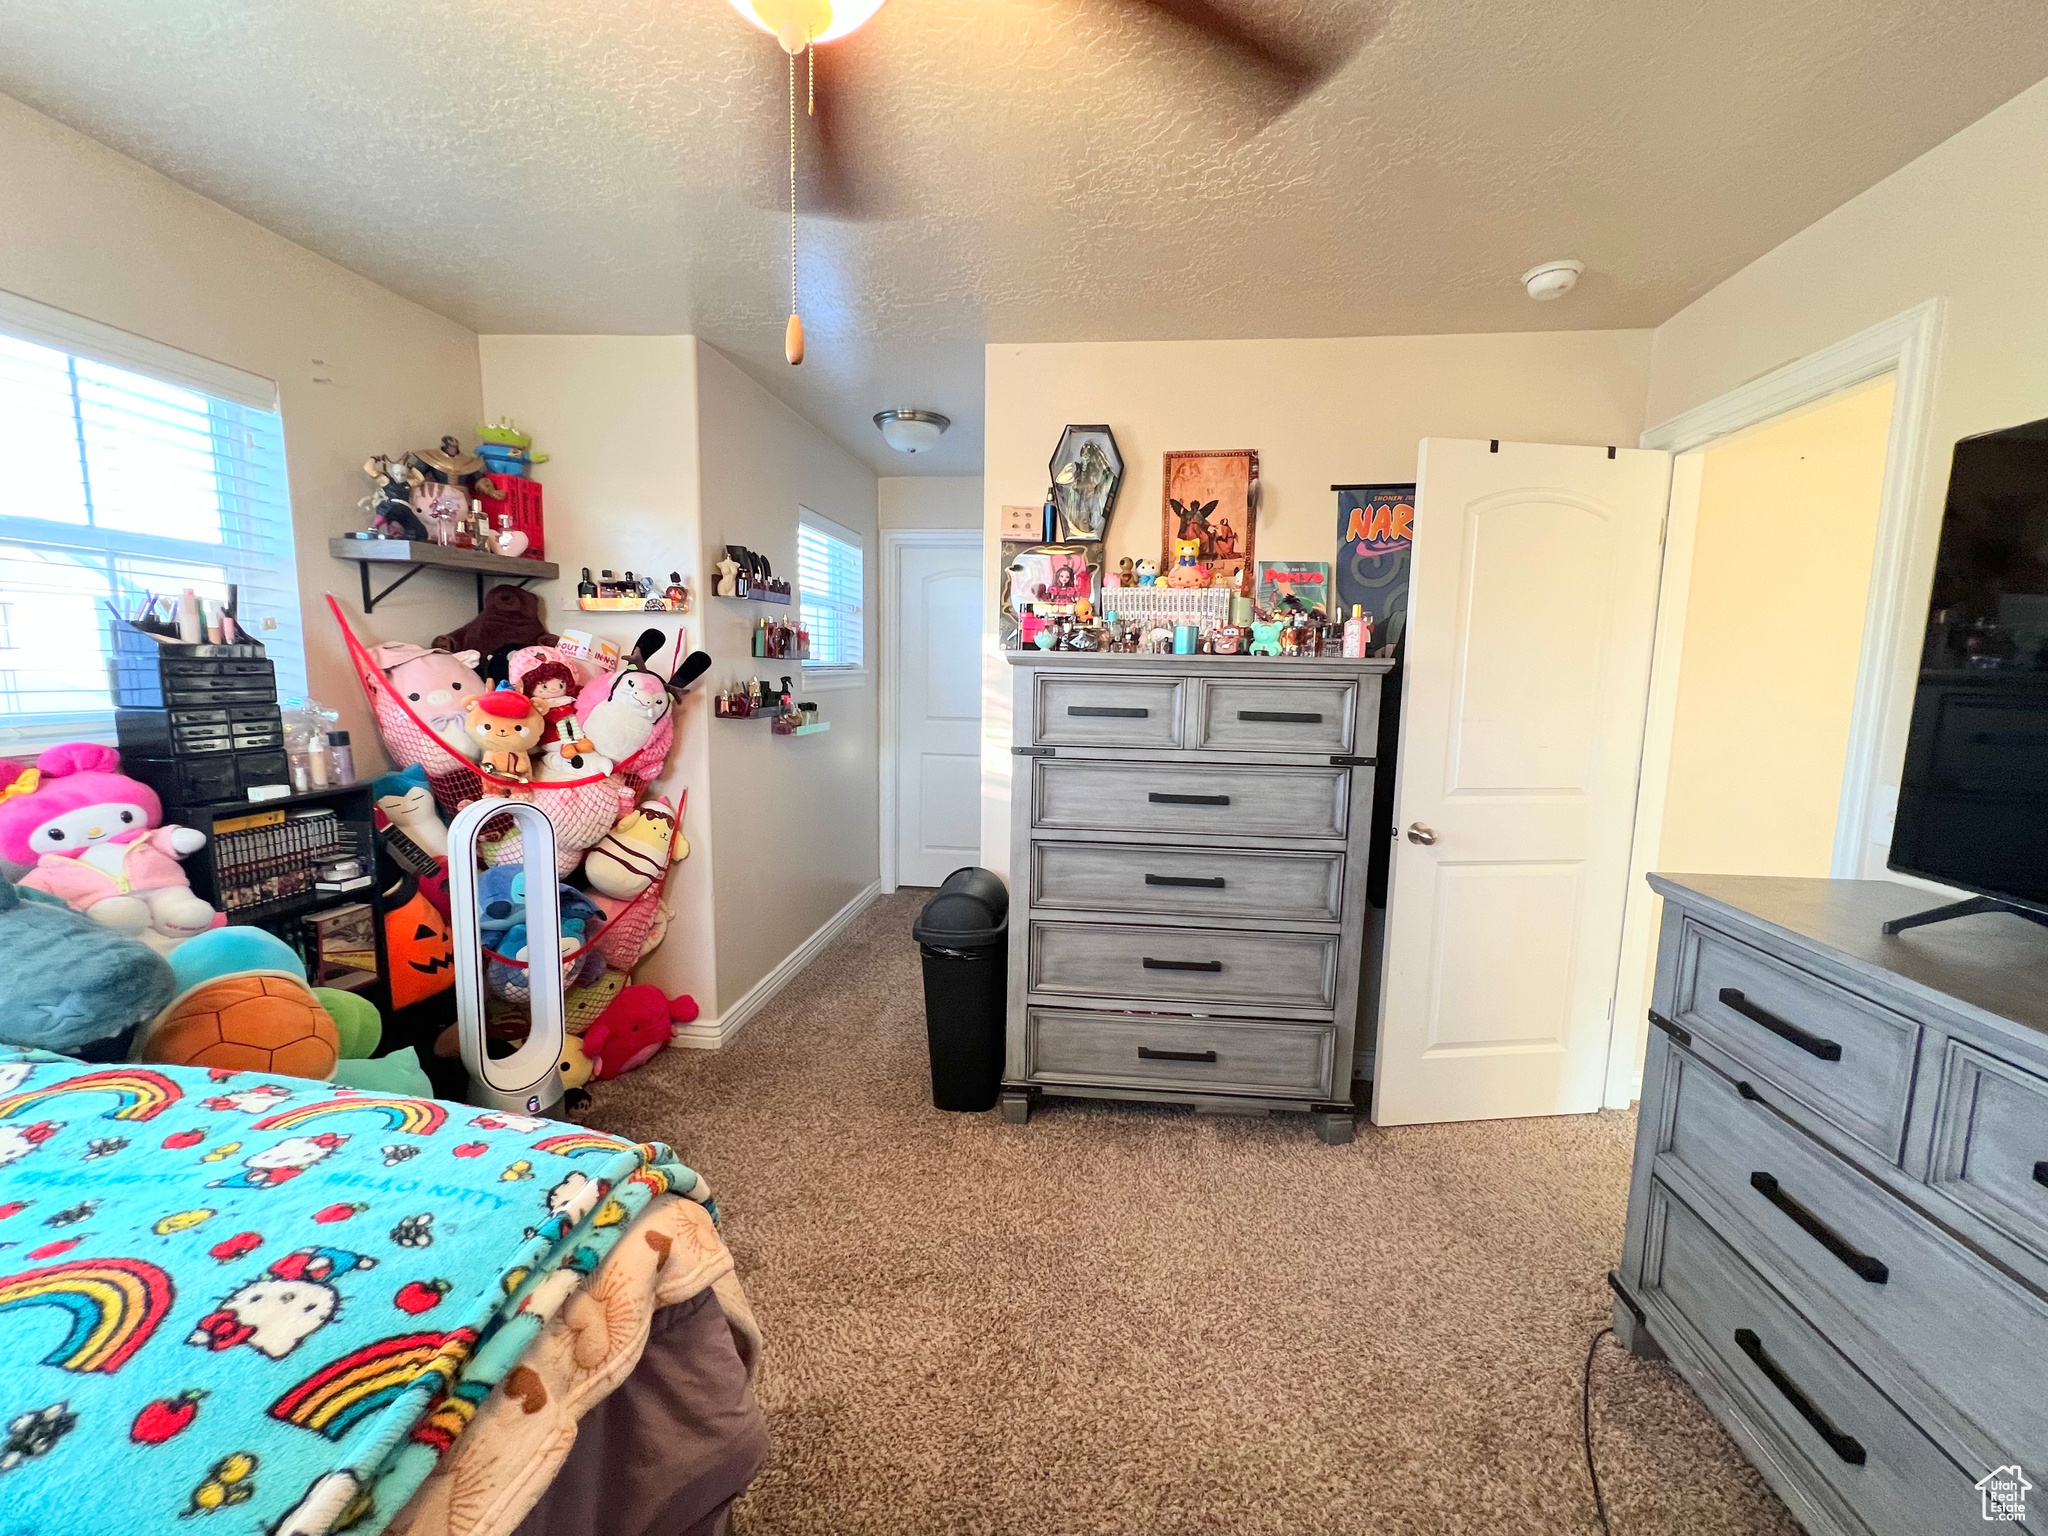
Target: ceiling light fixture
{"x": 1552, "y": 280}
{"x": 796, "y": 24}
{"x": 909, "y": 430}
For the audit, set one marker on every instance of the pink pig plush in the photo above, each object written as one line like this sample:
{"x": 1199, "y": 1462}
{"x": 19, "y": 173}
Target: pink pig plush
{"x": 92, "y": 834}
{"x": 435, "y": 685}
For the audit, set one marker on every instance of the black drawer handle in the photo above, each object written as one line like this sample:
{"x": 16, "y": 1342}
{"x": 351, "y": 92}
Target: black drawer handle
{"x": 1159, "y": 797}
{"x": 1280, "y": 716}
{"x": 1182, "y": 965}
{"x": 1682, "y": 1036}
{"x": 1146, "y": 1053}
{"x": 1107, "y": 711}
{"x": 1848, "y": 1447}
{"x": 1813, "y": 1045}
{"x": 2041, "y": 1173}
{"x": 1876, "y": 1271}
{"x": 1200, "y": 882}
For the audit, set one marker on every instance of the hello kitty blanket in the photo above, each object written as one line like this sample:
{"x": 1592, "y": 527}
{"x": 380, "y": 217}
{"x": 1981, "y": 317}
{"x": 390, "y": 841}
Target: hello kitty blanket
{"x": 268, "y": 1305}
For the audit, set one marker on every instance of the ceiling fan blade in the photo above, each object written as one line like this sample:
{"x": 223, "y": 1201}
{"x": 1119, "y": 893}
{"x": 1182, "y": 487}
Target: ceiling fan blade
{"x": 1288, "y": 63}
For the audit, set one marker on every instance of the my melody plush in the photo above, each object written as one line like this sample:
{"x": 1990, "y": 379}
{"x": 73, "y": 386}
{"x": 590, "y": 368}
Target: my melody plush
{"x": 95, "y": 838}
{"x": 435, "y": 686}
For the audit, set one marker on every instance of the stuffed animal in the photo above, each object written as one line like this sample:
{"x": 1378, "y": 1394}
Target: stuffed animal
{"x": 501, "y": 918}
{"x": 408, "y": 804}
{"x": 634, "y": 854}
{"x": 95, "y": 839}
{"x": 242, "y": 1004}
{"x": 620, "y": 710}
{"x": 509, "y": 616}
{"x": 72, "y": 985}
{"x": 507, "y": 728}
{"x": 639, "y": 1025}
{"x": 552, "y": 686}
{"x": 435, "y": 686}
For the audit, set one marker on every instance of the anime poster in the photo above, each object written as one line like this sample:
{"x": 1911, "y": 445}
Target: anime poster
{"x": 1375, "y": 531}
{"x": 1210, "y": 502}
{"x": 1307, "y": 582}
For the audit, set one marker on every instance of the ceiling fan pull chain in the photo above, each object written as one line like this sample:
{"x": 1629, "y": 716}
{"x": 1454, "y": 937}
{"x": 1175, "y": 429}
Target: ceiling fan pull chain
{"x": 793, "y": 333}
{"x": 811, "y": 81}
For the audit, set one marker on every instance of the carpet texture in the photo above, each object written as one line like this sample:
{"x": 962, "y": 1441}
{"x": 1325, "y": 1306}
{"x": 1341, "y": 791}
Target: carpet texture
{"x": 1126, "y": 1318}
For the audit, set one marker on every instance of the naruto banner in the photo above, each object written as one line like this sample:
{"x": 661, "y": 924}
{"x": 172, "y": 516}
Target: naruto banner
{"x": 1375, "y": 531}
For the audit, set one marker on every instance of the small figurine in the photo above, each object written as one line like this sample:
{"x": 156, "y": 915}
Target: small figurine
{"x": 1125, "y": 572}
{"x": 449, "y": 465}
{"x": 1228, "y": 640}
{"x": 1266, "y": 637}
{"x": 390, "y": 504}
{"x": 1290, "y": 641}
{"x": 1148, "y": 573}
{"x": 1084, "y": 612}
{"x": 729, "y": 578}
{"x": 1159, "y": 640}
{"x": 1187, "y": 569}
{"x": 506, "y": 449}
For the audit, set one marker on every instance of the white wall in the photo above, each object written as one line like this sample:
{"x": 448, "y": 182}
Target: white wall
{"x": 928, "y": 501}
{"x": 795, "y": 818}
{"x": 596, "y": 406}
{"x": 1322, "y": 412}
{"x": 95, "y": 233}
{"x": 1967, "y": 221}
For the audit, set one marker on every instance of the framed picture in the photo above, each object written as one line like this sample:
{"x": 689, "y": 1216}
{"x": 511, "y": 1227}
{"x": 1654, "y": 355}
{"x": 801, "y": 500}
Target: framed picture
{"x": 1375, "y": 534}
{"x": 1044, "y": 574}
{"x": 1307, "y": 584}
{"x": 1021, "y": 525}
{"x": 1087, "y": 471}
{"x": 1211, "y": 499}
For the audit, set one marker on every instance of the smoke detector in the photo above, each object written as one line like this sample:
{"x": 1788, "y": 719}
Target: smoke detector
{"x": 910, "y": 430}
{"x": 1552, "y": 280}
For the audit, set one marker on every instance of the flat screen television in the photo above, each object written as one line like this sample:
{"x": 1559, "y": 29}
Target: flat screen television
{"x": 1973, "y": 800}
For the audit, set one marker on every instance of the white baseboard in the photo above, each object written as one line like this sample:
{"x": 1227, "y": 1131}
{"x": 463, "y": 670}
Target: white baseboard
{"x": 704, "y": 1034}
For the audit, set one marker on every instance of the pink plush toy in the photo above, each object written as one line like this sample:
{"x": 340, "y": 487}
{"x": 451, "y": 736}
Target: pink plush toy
{"x": 435, "y": 686}
{"x": 92, "y": 834}
{"x": 619, "y": 711}
{"x": 636, "y": 1027}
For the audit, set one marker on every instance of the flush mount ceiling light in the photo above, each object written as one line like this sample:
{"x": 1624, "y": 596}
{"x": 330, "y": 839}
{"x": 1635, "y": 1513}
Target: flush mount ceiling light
{"x": 1552, "y": 280}
{"x": 909, "y": 430}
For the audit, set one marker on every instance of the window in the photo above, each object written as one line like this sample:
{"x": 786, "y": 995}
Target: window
{"x": 119, "y": 484}
{"x": 831, "y": 577}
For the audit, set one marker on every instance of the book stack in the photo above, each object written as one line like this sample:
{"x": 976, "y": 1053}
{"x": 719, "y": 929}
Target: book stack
{"x": 273, "y": 856}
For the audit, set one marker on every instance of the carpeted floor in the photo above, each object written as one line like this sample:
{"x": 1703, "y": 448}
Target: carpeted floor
{"x": 1135, "y": 1319}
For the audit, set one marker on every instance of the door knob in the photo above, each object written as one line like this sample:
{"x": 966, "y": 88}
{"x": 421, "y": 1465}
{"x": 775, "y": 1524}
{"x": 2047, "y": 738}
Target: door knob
{"x": 1418, "y": 833}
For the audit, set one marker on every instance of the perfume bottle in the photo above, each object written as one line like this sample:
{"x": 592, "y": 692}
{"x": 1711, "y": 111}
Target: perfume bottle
{"x": 586, "y": 587}
{"x": 607, "y": 584}
{"x": 677, "y": 593}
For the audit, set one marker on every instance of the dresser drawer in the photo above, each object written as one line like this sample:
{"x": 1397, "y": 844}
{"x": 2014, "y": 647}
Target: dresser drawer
{"x": 1973, "y": 1336}
{"x": 1201, "y": 882}
{"x": 1195, "y": 966}
{"x": 1862, "y": 1446}
{"x": 1990, "y": 1150}
{"x": 1071, "y": 711}
{"x": 1833, "y": 1056}
{"x": 1194, "y": 800}
{"x": 1255, "y": 715}
{"x": 1122, "y": 1050}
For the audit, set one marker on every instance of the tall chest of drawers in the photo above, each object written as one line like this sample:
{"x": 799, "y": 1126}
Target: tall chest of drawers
{"x": 1838, "y": 1219}
{"x": 1187, "y": 876}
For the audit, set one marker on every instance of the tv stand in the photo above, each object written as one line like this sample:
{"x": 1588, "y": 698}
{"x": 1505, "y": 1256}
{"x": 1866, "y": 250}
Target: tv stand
{"x": 1970, "y": 908}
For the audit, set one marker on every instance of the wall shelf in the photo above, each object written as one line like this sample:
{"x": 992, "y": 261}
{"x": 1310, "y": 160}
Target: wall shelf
{"x": 787, "y": 599}
{"x": 416, "y": 556}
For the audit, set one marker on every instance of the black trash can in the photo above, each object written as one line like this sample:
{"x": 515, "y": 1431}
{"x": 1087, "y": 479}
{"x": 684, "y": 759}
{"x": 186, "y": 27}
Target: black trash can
{"x": 964, "y": 935}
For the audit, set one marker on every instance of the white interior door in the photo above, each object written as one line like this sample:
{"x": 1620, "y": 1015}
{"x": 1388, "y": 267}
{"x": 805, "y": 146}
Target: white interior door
{"x": 938, "y": 707}
{"x": 1531, "y": 612}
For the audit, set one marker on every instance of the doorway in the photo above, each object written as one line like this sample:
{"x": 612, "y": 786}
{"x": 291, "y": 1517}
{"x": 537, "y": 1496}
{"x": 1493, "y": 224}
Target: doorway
{"x": 931, "y": 706}
{"x": 1749, "y": 750}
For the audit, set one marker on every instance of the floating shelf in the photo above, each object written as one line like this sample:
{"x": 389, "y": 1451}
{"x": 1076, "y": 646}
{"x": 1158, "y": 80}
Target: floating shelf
{"x": 416, "y": 557}
{"x": 626, "y": 605}
{"x": 811, "y": 730}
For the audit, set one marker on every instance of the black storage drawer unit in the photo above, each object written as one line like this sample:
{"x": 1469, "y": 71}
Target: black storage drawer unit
{"x": 206, "y": 777}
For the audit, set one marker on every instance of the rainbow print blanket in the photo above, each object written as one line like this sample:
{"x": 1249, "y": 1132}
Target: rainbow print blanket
{"x": 261, "y": 1306}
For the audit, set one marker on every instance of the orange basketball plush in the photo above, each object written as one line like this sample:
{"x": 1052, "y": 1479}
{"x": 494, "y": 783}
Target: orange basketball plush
{"x": 242, "y": 1004}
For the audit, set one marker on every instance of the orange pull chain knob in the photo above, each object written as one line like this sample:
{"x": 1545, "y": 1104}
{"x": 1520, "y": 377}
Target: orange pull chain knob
{"x": 793, "y": 340}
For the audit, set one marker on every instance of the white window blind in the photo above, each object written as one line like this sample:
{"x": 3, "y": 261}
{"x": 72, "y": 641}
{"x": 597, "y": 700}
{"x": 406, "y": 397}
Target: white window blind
{"x": 831, "y": 580}
{"x": 119, "y": 484}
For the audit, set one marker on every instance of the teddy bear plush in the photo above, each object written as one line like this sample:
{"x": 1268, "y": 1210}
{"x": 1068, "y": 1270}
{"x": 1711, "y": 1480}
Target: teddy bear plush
{"x": 96, "y": 841}
{"x": 507, "y": 729}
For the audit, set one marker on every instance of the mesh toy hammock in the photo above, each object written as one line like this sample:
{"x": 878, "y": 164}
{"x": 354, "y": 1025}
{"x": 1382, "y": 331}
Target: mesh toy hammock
{"x": 581, "y": 811}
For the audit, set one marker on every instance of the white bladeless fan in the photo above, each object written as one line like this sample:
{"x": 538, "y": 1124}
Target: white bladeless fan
{"x": 528, "y": 1081}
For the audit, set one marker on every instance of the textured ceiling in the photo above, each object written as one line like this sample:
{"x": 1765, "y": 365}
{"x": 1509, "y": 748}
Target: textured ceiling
{"x": 1045, "y": 169}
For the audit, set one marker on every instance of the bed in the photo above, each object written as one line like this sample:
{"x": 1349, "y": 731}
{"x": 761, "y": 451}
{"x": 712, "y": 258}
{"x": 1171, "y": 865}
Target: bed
{"x": 284, "y": 1307}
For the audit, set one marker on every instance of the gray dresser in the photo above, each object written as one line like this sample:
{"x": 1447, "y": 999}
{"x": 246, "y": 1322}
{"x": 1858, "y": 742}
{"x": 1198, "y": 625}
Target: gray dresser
{"x": 1838, "y": 1223}
{"x": 1187, "y": 880}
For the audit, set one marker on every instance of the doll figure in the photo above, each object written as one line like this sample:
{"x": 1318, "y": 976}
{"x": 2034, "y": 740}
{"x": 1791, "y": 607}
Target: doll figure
{"x": 551, "y": 688}
{"x": 1148, "y": 573}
